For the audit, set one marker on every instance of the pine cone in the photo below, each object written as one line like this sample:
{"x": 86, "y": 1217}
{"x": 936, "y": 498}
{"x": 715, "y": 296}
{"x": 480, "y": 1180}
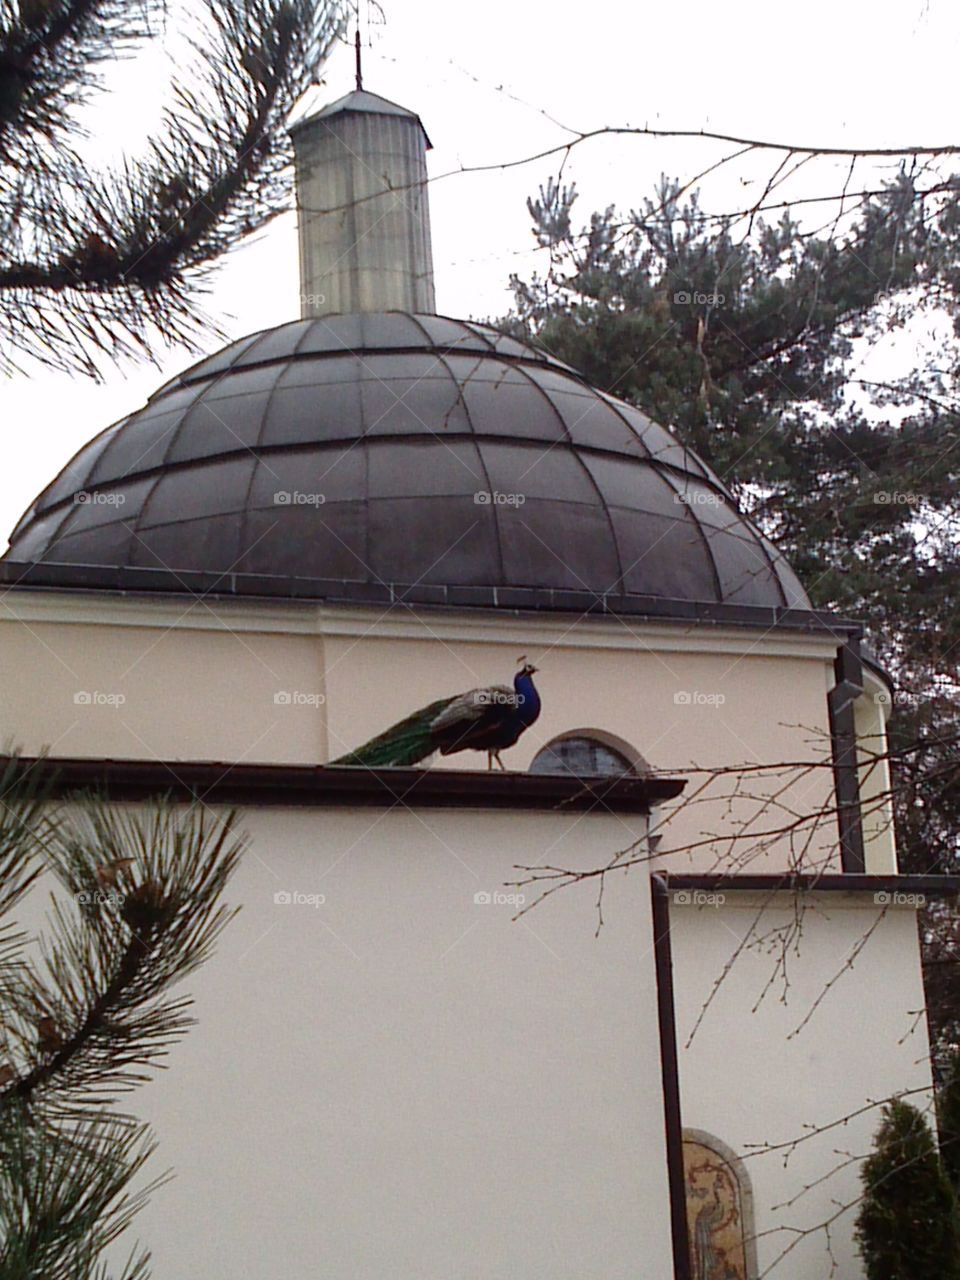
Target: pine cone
{"x": 49, "y": 1038}
{"x": 34, "y": 13}
{"x": 108, "y": 872}
{"x": 145, "y": 908}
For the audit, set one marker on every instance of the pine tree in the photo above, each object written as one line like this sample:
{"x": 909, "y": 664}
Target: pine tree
{"x": 112, "y": 261}
{"x": 747, "y": 343}
{"x": 84, "y": 1016}
{"x": 948, "y": 1120}
{"x": 906, "y": 1227}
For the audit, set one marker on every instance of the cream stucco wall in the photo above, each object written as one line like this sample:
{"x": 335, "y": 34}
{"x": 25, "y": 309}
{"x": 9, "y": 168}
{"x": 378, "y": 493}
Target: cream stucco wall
{"x": 751, "y": 1078}
{"x": 401, "y": 1082}
{"x": 389, "y": 1077}
{"x": 199, "y": 679}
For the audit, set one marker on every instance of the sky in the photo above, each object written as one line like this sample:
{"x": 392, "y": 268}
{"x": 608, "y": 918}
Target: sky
{"x": 497, "y": 82}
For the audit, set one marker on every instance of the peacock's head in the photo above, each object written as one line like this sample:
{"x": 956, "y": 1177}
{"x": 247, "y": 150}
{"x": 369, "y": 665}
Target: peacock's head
{"x": 526, "y": 669}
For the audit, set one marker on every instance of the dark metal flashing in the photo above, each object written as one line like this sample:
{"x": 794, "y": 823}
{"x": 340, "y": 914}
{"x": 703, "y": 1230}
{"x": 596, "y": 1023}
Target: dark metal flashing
{"x": 536, "y": 359}
{"x": 190, "y": 583}
{"x": 359, "y": 102}
{"x": 872, "y": 664}
{"x": 670, "y": 1076}
{"x": 929, "y": 886}
{"x": 843, "y": 737}
{"x": 308, "y": 786}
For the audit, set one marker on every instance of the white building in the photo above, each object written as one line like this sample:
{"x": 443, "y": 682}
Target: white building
{"x": 329, "y": 524}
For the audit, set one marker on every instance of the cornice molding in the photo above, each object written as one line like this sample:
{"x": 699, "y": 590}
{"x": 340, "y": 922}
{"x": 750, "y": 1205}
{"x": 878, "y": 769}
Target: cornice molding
{"x": 403, "y": 622}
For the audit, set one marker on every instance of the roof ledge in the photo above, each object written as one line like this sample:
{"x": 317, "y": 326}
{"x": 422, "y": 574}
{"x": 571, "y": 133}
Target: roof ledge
{"x": 321, "y": 786}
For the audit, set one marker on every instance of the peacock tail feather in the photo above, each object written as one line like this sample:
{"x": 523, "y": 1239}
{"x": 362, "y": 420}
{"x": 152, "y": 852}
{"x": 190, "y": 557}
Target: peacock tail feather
{"x": 405, "y": 743}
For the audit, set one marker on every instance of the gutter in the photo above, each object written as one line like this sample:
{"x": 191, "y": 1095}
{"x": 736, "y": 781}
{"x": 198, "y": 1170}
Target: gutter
{"x": 848, "y": 668}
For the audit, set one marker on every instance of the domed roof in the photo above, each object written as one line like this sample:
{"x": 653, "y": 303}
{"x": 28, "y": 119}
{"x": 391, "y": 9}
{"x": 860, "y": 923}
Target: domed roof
{"x": 385, "y": 455}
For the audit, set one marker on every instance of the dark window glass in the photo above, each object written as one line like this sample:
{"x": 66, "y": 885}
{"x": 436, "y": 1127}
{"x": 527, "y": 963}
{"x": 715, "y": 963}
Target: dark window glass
{"x": 581, "y": 758}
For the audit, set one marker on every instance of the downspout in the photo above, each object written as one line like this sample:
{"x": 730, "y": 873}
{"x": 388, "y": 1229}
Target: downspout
{"x": 670, "y": 1076}
{"x": 848, "y": 669}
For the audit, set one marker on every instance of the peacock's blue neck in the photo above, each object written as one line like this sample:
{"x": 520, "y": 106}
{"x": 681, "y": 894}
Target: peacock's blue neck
{"x": 528, "y": 700}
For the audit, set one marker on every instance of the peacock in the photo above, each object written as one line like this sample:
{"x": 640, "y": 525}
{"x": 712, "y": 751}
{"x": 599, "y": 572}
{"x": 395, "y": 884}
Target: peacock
{"x": 489, "y": 719}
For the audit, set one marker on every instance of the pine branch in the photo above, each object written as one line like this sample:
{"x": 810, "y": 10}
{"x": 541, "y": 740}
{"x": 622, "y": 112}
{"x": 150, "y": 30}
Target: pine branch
{"x": 65, "y": 1196}
{"x": 139, "y": 908}
{"x": 95, "y": 1015}
{"x": 50, "y": 53}
{"x": 108, "y": 263}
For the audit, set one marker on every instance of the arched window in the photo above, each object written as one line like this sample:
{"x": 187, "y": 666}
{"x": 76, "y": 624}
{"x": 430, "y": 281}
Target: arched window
{"x": 588, "y": 753}
{"x": 719, "y": 1210}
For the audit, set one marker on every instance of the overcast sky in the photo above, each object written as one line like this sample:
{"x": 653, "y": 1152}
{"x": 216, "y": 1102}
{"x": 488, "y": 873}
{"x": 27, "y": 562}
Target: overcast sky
{"x": 832, "y": 73}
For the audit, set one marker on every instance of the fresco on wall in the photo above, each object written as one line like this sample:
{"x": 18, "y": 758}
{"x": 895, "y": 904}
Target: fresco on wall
{"x": 714, "y": 1215}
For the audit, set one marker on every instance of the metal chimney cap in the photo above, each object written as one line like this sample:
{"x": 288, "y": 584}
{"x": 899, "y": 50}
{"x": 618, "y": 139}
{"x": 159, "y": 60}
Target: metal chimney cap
{"x": 361, "y": 100}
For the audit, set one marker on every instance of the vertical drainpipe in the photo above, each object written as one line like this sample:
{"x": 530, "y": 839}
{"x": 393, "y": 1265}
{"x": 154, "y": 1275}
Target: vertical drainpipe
{"x": 848, "y": 669}
{"x": 670, "y": 1076}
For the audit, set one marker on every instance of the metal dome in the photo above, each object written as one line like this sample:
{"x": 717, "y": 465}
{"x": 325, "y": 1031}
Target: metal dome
{"x": 371, "y": 456}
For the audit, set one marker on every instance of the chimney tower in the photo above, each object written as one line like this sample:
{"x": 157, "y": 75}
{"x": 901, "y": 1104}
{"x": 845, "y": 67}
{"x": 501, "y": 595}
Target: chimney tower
{"x": 362, "y": 206}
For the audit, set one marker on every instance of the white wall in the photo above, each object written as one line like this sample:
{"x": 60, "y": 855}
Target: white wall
{"x": 397, "y": 1080}
{"x": 749, "y": 1078}
{"x": 402, "y": 1083}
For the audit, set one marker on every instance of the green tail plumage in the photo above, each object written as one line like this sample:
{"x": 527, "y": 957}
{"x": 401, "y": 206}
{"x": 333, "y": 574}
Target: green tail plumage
{"x": 405, "y": 743}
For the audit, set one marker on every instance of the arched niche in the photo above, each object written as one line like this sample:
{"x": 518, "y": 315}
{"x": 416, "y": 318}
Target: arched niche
{"x": 720, "y": 1219}
{"x": 588, "y": 753}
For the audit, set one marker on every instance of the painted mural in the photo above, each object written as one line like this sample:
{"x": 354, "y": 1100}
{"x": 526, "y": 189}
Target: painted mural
{"x": 715, "y": 1217}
